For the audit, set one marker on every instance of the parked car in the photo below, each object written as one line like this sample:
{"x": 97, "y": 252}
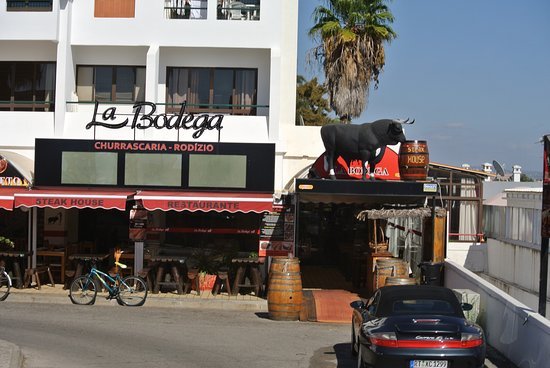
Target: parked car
{"x": 415, "y": 326}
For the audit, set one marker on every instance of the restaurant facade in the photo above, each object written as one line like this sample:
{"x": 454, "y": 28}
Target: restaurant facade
{"x": 189, "y": 129}
{"x": 115, "y": 115}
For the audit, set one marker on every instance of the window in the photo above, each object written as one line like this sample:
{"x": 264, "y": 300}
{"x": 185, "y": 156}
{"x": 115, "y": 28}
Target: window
{"x": 222, "y": 90}
{"x": 27, "y": 86}
{"x": 29, "y": 5}
{"x": 110, "y": 83}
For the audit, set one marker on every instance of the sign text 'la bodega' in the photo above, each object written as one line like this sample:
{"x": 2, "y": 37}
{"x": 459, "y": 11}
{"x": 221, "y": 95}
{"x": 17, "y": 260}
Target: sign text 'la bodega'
{"x": 143, "y": 119}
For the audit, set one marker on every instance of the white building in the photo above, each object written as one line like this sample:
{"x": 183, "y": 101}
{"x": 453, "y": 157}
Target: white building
{"x": 65, "y": 64}
{"x": 55, "y": 62}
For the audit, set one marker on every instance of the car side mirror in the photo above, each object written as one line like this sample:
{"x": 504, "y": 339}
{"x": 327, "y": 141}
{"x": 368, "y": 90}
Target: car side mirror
{"x": 357, "y": 304}
{"x": 466, "y": 306}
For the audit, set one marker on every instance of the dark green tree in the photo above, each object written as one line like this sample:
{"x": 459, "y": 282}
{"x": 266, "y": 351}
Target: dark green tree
{"x": 312, "y": 107}
{"x": 351, "y": 36}
{"x": 525, "y": 178}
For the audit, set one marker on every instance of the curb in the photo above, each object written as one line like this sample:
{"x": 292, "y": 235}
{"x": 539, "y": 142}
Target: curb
{"x": 10, "y": 355}
{"x": 154, "y": 300}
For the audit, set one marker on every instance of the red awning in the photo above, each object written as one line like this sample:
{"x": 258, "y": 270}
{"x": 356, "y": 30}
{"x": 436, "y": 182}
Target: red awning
{"x": 205, "y": 201}
{"x": 73, "y": 198}
{"x": 7, "y": 196}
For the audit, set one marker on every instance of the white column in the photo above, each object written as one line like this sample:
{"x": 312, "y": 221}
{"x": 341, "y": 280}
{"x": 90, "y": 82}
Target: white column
{"x": 64, "y": 76}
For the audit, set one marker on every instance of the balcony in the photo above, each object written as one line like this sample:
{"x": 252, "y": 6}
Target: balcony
{"x": 226, "y": 9}
{"x": 29, "y": 5}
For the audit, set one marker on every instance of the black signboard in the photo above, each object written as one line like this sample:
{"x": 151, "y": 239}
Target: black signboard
{"x": 200, "y": 166}
{"x": 277, "y": 233}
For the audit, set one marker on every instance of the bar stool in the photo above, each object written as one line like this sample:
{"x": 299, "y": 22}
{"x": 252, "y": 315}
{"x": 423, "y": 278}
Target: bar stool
{"x": 222, "y": 279}
{"x": 250, "y": 267}
{"x": 192, "y": 281}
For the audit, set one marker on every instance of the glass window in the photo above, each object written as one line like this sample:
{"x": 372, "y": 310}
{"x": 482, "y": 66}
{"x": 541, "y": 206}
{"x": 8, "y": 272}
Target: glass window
{"x": 110, "y": 83}
{"x": 103, "y": 83}
{"x": 177, "y": 84}
{"x": 125, "y": 79}
{"x": 27, "y": 86}
{"x": 223, "y": 90}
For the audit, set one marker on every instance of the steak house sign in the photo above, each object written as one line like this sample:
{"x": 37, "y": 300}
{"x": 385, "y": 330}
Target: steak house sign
{"x": 143, "y": 119}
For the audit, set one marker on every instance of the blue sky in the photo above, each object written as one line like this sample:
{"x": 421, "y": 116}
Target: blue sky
{"x": 475, "y": 74}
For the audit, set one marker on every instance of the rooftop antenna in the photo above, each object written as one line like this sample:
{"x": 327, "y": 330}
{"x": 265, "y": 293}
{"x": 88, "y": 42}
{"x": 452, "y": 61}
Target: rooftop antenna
{"x": 500, "y": 171}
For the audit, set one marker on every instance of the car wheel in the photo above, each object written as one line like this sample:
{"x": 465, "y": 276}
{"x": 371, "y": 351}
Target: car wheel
{"x": 353, "y": 340}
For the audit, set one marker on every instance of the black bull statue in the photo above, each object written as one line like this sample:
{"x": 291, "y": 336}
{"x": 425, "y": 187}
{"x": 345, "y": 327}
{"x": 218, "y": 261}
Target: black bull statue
{"x": 360, "y": 141}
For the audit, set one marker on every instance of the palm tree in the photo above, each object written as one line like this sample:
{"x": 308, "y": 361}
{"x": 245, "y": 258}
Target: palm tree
{"x": 351, "y": 34}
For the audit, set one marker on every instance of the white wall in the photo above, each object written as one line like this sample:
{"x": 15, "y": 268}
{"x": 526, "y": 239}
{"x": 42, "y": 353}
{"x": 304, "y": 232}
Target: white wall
{"x": 515, "y": 330}
{"x": 269, "y": 44}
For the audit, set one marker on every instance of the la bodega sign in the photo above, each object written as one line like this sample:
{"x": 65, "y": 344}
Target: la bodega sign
{"x": 144, "y": 117}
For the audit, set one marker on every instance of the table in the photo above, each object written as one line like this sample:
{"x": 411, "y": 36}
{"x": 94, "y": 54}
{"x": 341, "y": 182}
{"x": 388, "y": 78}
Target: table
{"x": 83, "y": 258}
{"x": 17, "y": 255}
{"x": 252, "y": 267}
{"x": 55, "y": 253}
{"x": 164, "y": 261}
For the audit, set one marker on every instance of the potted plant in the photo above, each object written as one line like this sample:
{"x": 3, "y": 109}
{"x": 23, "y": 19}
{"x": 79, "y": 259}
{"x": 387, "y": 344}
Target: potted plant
{"x": 207, "y": 262}
{"x": 6, "y": 243}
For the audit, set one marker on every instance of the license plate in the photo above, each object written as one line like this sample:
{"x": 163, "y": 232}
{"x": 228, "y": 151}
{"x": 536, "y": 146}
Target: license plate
{"x": 429, "y": 364}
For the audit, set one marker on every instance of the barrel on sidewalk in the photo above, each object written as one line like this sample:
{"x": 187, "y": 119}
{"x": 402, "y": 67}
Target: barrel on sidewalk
{"x": 284, "y": 289}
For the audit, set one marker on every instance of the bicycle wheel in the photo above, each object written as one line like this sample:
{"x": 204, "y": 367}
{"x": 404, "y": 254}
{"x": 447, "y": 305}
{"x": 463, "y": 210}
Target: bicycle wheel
{"x": 132, "y": 291}
{"x": 83, "y": 291}
{"x": 5, "y": 285}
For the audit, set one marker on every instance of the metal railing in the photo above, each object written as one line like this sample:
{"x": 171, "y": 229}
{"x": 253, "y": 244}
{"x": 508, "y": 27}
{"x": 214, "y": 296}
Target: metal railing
{"x": 47, "y": 106}
{"x": 231, "y": 109}
{"x": 29, "y": 5}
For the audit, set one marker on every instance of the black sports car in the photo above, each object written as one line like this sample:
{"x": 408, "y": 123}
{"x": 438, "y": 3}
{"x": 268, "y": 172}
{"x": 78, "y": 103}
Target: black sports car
{"x": 415, "y": 326}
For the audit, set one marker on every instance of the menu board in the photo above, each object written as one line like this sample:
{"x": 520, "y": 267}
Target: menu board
{"x": 277, "y": 234}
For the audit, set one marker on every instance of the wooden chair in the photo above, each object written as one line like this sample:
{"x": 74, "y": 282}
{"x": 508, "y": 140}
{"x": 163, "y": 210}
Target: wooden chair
{"x": 34, "y": 273}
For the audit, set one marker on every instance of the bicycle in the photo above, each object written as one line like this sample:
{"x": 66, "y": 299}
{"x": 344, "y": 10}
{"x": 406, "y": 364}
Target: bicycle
{"x": 129, "y": 291}
{"x": 5, "y": 284}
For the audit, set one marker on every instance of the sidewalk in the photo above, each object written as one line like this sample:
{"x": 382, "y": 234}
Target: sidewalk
{"x": 57, "y": 295}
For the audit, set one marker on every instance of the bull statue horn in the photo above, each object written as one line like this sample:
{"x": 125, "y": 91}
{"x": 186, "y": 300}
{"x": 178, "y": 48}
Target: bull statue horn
{"x": 406, "y": 121}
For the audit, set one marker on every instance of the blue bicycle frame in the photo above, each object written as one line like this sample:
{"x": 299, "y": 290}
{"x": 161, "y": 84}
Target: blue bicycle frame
{"x": 99, "y": 276}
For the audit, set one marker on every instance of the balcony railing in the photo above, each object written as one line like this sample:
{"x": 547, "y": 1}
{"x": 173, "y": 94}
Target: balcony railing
{"x": 48, "y": 106}
{"x": 172, "y": 108}
{"x": 180, "y": 9}
{"x": 29, "y": 5}
{"x": 196, "y": 9}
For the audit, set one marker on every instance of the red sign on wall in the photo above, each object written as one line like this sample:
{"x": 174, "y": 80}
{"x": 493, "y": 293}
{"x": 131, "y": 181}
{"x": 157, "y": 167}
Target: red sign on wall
{"x": 386, "y": 169}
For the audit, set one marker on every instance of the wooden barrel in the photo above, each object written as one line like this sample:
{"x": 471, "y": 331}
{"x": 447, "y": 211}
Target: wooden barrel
{"x": 389, "y": 267}
{"x": 284, "y": 264}
{"x": 413, "y": 160}
{"x": 284, "y": 290}
{"x": 400, "y": 281}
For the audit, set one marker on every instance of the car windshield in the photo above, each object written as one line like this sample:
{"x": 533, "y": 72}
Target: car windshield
{"x": 422, "y": 306}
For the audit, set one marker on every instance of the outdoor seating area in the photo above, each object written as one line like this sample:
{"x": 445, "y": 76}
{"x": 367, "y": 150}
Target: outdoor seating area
{"x": 167, "y": 269}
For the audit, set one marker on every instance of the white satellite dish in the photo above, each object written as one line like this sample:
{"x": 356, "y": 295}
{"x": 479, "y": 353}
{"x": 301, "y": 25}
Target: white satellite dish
{"x": 501, "y": 175}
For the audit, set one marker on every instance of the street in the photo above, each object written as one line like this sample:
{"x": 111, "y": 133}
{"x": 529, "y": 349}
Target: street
{"x": 107, "y": 335}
